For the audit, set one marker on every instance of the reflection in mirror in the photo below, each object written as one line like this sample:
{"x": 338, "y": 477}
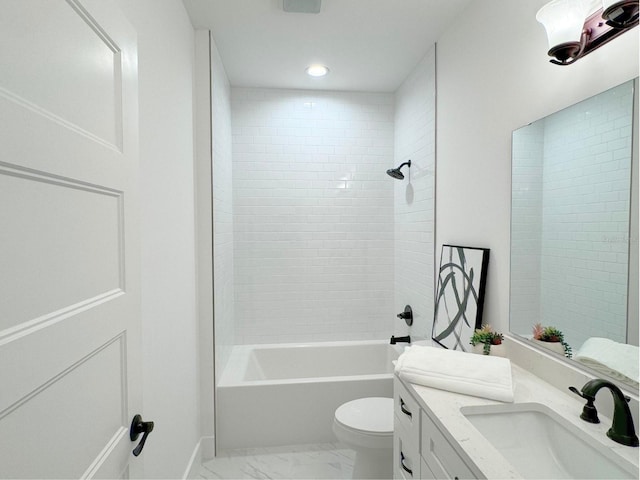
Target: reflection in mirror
{"x": 571, "y": 230}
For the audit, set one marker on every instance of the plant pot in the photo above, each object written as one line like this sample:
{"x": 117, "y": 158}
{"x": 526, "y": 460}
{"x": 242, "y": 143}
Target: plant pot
{"x": 496, "y": 350}
{"x": 553, "y": 346}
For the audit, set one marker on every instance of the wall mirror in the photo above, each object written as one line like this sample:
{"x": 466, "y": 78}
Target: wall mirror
{"x": 574, "y": 231}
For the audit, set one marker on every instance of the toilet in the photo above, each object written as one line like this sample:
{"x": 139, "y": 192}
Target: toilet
{"x": 366, "y": 426}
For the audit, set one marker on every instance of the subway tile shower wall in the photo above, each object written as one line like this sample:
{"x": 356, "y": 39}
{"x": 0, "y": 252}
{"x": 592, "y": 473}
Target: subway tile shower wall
{"x": 414, "y": 197}
{"x": 313, "y": 215}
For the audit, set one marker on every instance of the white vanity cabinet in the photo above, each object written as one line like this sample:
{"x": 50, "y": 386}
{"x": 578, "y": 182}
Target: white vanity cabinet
{"x": 420, "y": 449}
{"x": 406, "y": 433}
{"x": 439, "y": 457}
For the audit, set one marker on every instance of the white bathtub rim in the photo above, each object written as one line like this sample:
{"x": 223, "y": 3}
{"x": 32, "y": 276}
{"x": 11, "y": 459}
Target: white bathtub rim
{"x": 339, "y": 343}
{"x": 292, "y": 381}
{"x": 233, "y": 373}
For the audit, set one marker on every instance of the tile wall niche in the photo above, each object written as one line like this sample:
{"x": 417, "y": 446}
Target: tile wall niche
{"x": 313, "y": 215}
{"x": 414, "y": 197}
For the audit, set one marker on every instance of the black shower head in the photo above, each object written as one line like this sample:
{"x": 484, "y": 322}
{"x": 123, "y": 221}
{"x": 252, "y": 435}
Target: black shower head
{"x": 396, "y": 173}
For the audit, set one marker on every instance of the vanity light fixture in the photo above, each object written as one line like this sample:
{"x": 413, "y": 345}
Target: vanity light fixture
{"x": 576, "y": 28}
{"x": 317, "y": 70}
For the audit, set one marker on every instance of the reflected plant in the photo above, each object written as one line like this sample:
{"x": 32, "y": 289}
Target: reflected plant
{"x": 552, "y": 335}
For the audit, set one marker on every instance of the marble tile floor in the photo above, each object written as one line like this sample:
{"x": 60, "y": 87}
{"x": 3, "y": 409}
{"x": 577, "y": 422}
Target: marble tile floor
{"x": 317, "y": 461}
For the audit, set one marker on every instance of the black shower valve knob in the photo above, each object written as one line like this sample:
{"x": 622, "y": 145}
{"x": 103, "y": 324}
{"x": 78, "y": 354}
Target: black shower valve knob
{"x": 406, "y": 315}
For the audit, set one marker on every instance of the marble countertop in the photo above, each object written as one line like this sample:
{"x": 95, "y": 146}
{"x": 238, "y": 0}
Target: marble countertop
{"x": 443, "y": 408}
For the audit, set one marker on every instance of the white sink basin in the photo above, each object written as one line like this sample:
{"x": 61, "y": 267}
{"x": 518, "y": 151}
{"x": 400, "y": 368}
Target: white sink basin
{"x": 541, "y": 444}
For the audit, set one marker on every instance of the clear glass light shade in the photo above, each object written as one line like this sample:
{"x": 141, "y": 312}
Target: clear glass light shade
{"x": 612, "y": 8}
{"x": 564, "y": 20}
{"x": 606, "y": 4}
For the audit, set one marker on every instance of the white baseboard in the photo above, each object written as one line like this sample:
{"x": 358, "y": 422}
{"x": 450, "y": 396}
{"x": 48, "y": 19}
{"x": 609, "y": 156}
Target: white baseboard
{"x": 204, "y": 450}
{"x": 208, "y": 448}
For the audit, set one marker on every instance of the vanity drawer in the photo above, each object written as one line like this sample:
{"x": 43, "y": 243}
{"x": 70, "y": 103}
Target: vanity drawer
{"x": 425, "y": 471}
{"x": 407, "y": 411}
{"x": 406, "y": 455}
{"x": 441, "y": 458}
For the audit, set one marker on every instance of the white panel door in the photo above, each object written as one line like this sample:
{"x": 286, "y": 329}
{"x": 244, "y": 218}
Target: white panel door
{"x": 69, "y": 259}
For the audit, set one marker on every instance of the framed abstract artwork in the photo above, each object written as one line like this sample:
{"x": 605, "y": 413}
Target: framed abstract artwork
{"x": 459, "y": 301}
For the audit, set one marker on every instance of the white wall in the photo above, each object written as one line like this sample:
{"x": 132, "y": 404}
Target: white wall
{"x": 526, "y": 228}
{"x": 169, "y": 329}
{"x": 215, "y": 227}
{"x": 489, "y": 84}
{"x": 313, "y": 215}
{"x": 414, "y": 197}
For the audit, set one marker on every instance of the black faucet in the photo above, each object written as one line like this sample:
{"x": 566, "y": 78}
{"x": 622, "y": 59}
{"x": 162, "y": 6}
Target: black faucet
{"x": 395, "y": 340}
{"x": 622, "y": 429}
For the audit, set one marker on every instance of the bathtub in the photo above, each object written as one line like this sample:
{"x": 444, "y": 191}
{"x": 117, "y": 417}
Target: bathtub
{"x": 286, "y": 394}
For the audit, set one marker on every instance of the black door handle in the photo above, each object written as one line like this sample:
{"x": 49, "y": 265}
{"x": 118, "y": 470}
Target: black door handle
{"x": 138, "y": 427}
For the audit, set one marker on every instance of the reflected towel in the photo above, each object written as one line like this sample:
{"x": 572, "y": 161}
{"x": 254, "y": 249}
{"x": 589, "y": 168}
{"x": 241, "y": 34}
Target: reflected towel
{"x": 478, "y": 375}
{"x": 615, "y": 359}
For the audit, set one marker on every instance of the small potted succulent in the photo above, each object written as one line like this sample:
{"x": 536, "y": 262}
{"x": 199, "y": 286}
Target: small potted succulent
{"x": 552, "y": 339}
{"x": 487, "y": 342}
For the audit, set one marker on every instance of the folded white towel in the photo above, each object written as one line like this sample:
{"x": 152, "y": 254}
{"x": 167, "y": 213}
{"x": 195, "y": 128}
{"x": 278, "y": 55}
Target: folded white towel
{"x": 460, "y": 372}
{"x": 615, "y": 359}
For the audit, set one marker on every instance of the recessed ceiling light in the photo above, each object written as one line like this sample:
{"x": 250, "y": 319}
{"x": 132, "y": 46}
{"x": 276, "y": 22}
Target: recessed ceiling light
{"x": 317, "y": 70}
{"x": 301, "y": 6}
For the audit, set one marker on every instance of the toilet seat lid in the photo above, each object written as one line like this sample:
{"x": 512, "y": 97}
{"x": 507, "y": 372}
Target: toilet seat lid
{"x": 373, "y": 415}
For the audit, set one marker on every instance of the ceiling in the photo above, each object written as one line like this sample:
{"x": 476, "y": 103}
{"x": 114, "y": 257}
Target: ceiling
{"x": 368, "y": 45}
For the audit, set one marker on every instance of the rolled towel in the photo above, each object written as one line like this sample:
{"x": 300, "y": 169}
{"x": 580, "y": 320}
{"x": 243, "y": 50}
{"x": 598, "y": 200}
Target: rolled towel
{"x": 478, "y": 375}
{"x": 618, "y": 360}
